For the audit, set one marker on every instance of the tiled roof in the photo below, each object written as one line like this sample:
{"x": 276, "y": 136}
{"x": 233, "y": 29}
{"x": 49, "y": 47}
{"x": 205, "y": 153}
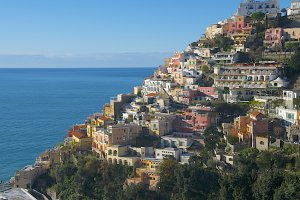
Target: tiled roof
{"x": 152, "y": 95}
{"x": 79, "y": 135}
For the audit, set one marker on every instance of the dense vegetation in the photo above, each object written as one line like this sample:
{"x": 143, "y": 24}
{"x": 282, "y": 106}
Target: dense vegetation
{"x": 273, "y": 174}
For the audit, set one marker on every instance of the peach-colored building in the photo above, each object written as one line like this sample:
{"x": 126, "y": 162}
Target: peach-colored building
{"x": 248, "y": 127}
{"x": 274, "y": 37}
{"x": 237, "y": 24}
{"x": 120, "y": 134}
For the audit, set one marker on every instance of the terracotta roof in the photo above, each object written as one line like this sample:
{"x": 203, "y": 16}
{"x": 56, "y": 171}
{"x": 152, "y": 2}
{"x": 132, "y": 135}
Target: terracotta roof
{"x": 79, "y": 135}
{"x": 152, "y": 95}
{"x": 103, "y": 118}
{"x": 255, "y": 114}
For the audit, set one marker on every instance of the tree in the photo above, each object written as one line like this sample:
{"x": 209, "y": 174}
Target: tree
{"x": 232, "y": 139}
{"x": 289, "y": 189}
{"x": 284, "y": 11}
{"x": 211, "y": 138}
{"x": 167, "y": 176}
{"x": 295, "y": 62}
{"x": 195, "y": 183}
{"x": 205, "y": 69}
{"x": 266, "y": 185}
{"x": 258, "y": 16}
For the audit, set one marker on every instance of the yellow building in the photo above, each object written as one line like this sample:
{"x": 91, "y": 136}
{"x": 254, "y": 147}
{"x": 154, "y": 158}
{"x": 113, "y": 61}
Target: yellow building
{"x": 101, "y": 122}
{"x": 84, "y": 142}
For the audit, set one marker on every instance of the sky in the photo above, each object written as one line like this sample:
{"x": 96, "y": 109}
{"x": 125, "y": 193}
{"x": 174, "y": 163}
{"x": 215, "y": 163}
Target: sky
{"x": 103, "y": 33}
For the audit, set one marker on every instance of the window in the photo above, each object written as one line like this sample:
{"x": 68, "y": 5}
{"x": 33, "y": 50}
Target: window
{"x": 261, "y": 143}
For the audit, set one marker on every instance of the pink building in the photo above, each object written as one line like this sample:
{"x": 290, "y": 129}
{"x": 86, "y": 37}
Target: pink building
{"x": 175, "y": 60}
{"x": 201, "y": 117}
{"x": 238, "y": 24}
{"x": 181, "y": 125}
{"x": 274, "y": 37}
{"x": 188, "y": 96}
{"x": 208, "y": 93}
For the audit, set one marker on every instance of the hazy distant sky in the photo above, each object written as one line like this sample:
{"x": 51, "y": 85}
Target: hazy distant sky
{"x": 103, "y": 33}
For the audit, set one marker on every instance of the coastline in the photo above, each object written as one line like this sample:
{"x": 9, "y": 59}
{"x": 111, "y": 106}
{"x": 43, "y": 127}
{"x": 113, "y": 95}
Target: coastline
{"x": 93, "y": 101}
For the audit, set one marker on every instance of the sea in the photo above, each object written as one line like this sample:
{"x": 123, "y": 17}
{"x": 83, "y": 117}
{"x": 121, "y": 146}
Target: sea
{"x": 38, "y": 106}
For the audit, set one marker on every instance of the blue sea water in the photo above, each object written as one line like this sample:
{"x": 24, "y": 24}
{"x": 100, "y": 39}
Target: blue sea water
{"x": 38, "y": 106}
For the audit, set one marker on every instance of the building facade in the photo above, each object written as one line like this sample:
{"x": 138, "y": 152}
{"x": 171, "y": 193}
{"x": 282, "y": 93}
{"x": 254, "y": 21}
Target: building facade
{"x": 258, "y": 75}
{"x": 248, "y": 7}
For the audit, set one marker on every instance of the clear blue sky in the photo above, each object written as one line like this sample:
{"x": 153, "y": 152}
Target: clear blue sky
{"x": 103, "y": 32}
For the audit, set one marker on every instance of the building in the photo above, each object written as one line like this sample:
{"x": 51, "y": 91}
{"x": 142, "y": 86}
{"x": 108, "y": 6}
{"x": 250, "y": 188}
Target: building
{"x": 177, "y": 140}
{"x": 114, "y": 108}
{"x": 120, "y": 154}
{"x": 292, "y": 34}
{"x": 294, "y": 9}
{"x": 239, "y": 40}
{"x": 274, "y": 37}
{"x": 95, "y": 122}
{"x": 225, "y": 57}
{"x": 262, "y": 142}
{"x": 248, "y": 7}
{"x": 160, "y": 154}
{"x": 155, "y": 85}
{"x": 208, "y": 93}
{"x": 162, "y": 124}
{"x": 257, "y": 75}
{"x": 148, "y": 177}
{"x": 247, "y": 128}
{"x": 289, "y": 96}
{"x": 25, "y": 177}
{"x": 120, "y": 134}
{"x": 289, "y": 116}
{"x": 238, "y": 24}
{"x": 293, "y": 133}
{"x": 201, "y": 117}
{"x": 213, "y": 30}
{"x": 83, "y": 141}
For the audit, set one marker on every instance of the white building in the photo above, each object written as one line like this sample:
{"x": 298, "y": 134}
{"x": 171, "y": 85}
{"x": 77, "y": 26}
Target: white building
{"x": 168, "y": 152}
{"x": 176, "y": 141}
{"x": 288, "y": 96}
{"x": 225, "y": 57}
{"x": 248, "y": 7}
{"x": 290, "y": 116}
{"x": 294, "y": 9}
{"x": 258, "y": 75}
{"x": 154, "y": 85}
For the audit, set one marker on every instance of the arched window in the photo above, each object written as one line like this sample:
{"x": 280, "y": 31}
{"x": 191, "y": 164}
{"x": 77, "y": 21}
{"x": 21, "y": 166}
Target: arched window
{"x": 115, "y": 153}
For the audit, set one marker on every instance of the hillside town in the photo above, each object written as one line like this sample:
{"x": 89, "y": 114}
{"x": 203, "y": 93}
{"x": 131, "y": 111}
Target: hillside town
{"x": 235, "y": 89}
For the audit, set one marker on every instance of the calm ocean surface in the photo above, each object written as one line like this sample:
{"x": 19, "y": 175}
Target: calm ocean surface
{"x": 38, "y": 106}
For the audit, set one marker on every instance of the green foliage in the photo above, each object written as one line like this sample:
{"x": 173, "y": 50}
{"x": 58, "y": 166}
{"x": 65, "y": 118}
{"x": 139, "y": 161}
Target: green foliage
{"x": 193, "y": 182}
{"x": 292, "y": 45}
{"x": 194, "y": 44}
{"x": 222, "y": 42}
{"x": 289, "y": 189}
{"x": 138, "y": 192}
{"x": 205, "y": 69}
{"x": 258, "y": 16}
{"x": 211, "y": 138}
{"x": 244, "y": 58}
{"x": 295, "y": 62}
{"x": 90, "y": 178}
{"x": 167, "y": 176}
{"x": 232, "y": 139}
